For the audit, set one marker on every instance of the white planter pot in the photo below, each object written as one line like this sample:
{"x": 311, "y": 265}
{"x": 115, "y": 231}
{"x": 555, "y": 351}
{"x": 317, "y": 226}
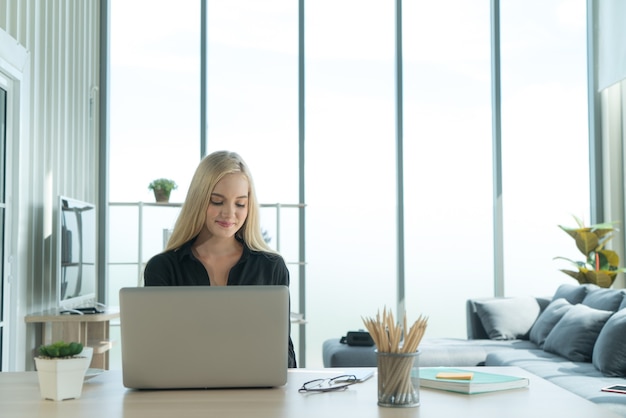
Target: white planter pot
{"x": 61, "y": 379}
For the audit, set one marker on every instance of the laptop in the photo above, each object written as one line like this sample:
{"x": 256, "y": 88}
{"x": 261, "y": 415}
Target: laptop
{"x": 179, "y": 337}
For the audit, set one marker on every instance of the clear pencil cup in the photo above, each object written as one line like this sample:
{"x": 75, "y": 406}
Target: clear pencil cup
{"x": 398, "y": 379}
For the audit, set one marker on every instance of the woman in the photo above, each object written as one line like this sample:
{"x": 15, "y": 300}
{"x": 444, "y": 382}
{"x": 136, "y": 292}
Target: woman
{"x": 217, "y": 239}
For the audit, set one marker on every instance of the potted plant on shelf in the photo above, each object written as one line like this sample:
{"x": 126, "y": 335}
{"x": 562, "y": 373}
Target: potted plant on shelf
{"x": 601, "y": 265}
{"x": 162, "y": 188}
{"x": 61, "y": 371}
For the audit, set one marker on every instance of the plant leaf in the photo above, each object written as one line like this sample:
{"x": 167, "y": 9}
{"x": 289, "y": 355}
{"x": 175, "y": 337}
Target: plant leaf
{"x": 573, "y": 232}
{"x": 602, "y": 278}
{"x": 608, "y": 259}
{"x": 586, "y": 242}
{"x": 578, "y": 264}
{"x": 580, "y": 223}
{"x": 576, "y": 275}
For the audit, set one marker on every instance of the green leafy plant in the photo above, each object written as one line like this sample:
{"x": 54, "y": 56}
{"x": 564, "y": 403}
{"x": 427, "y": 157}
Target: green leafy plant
{"x": 60, "y": 349}
{"x": 601, "y": 265}
{"x": 165, "y": 185}
{"x": 162, "y": 189}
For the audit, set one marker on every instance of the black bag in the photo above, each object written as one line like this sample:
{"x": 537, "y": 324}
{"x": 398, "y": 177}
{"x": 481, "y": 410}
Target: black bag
{"x": 358, "y": 338}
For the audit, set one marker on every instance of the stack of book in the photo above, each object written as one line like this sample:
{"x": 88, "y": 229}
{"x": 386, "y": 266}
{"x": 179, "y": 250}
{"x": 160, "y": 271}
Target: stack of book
{"x": 466, "y": 381}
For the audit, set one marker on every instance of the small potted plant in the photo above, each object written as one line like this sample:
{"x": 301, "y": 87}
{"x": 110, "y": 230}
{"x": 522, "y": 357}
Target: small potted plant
{"x": 61, "y": 371}
{"x": 162, "y": 188}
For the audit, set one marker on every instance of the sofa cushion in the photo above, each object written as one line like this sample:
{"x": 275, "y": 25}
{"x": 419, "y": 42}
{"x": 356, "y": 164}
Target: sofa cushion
{"x": 583, "y": 379}
{"x": 609, "y": 355}
{"x": 574, "y": 336}
{"x": 449, "y": 352}
{"x": 508, "y": 318}
{"x": 336, "y": 354}
{"x": 547, "y": 320}
{"x": 572, "y": 293}
{"x": 604, "y": 299}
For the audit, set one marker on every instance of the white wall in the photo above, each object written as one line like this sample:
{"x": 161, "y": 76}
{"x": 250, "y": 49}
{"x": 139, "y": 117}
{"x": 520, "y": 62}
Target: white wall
{"x": 59, "y": 152}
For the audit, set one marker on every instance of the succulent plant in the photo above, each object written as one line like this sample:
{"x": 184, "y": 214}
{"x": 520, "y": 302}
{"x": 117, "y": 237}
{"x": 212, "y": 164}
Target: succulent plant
{"x": 60, "y": 349}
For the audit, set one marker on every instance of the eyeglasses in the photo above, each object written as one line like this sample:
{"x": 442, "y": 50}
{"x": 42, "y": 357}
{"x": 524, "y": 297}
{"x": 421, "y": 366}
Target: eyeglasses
{"x": 329, "y": 385}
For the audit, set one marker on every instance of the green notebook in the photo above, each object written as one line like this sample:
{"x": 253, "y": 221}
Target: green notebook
{"x": 480, "y": 382}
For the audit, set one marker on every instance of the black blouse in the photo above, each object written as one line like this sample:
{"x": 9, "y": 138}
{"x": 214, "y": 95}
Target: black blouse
{"x": 181, "y": 268}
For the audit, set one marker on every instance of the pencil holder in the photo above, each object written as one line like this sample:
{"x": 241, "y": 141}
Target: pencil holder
{"x": 398, "y": 379}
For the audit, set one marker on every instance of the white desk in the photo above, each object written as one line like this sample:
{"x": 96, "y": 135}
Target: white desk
{"x": 105, "y": 396}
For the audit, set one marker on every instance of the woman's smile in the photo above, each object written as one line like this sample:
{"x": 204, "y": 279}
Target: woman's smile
{"x": 225, "y": 224}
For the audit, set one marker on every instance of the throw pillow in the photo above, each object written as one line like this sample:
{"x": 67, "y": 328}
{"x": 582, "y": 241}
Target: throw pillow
{"x": 609, "y": 355}
{"x": 508, "y": 318}
{"x": 604, "y": 299}
{"x": 572, "y": 293}
{"x": 574, "y": 336}
{"x": 547, "y": 320}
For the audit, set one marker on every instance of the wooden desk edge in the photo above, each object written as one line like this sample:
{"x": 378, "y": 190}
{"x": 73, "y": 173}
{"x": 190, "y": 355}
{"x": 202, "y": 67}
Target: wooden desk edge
{"x": 55, "y": 315}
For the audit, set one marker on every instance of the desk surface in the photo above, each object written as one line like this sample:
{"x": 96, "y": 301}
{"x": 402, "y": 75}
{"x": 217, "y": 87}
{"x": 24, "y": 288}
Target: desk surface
{"x": 105, "y": 396}
{"x": 55, "y": 315}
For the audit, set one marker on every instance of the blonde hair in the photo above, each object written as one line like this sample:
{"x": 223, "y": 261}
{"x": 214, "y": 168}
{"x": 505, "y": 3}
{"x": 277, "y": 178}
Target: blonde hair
{"x": 192, "y": 215}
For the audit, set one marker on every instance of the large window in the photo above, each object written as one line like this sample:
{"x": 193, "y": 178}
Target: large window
{"x": 544, "y": 139}
{"x": 252, "y": 98}
{"x": 154, "y": 129}
{"x": 155, "y": 120}
{"x": 448, "y": 160}
{"x": 155, "y": 96}
{"x": 350, "y": 167}
{"x": 252, "y": 105}
{"x": 252, "y": 109}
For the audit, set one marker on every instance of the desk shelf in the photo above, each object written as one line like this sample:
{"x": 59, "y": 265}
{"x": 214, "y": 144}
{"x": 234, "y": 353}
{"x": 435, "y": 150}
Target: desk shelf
{"x": 91, "y": 330}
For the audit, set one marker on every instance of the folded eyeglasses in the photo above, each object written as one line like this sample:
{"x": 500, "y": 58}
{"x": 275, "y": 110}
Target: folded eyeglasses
{"x": 329, "y": 385}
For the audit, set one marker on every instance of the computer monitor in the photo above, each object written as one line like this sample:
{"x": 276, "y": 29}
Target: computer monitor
{"x": 76, "y": 253}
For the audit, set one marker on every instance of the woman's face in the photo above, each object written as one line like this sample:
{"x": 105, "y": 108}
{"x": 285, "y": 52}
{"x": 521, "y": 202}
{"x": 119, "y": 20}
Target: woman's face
{"x": 228, "y": 206}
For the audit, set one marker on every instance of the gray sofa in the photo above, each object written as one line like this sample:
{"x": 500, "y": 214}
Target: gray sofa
{"x": 575, "y": 339}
